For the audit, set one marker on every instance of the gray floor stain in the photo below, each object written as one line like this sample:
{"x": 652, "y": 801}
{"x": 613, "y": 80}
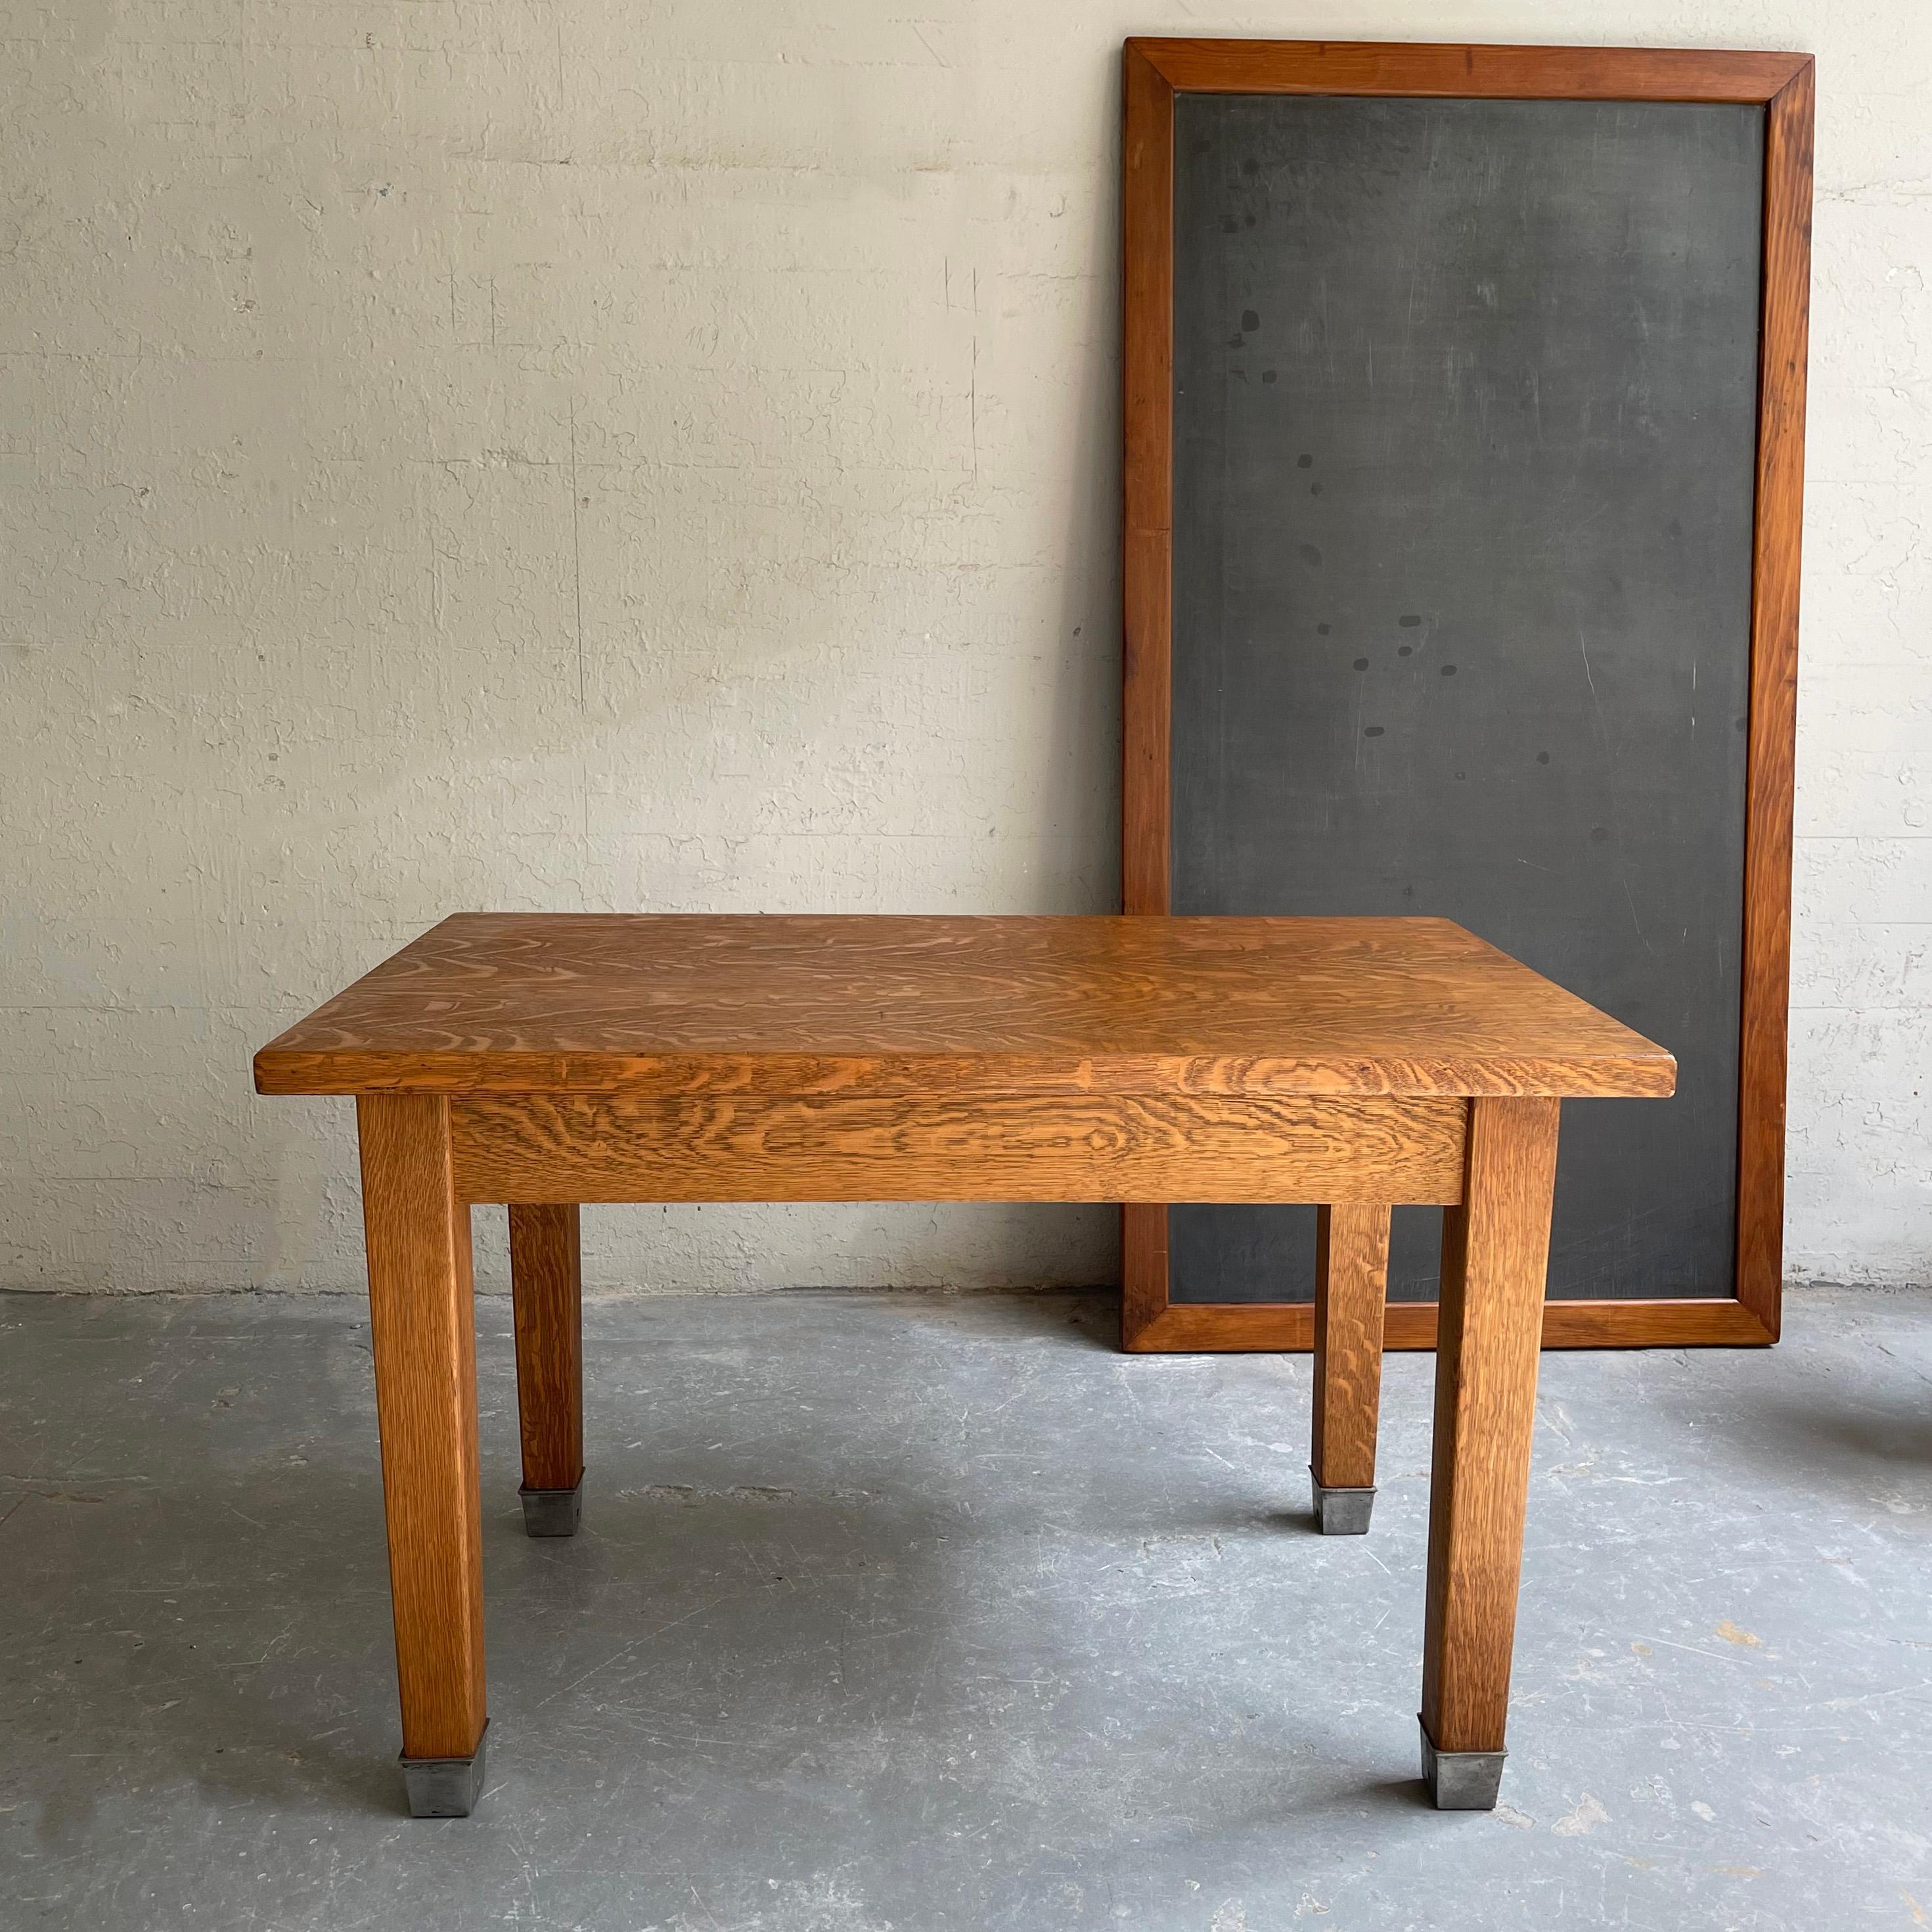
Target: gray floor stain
{"x": 909, "y": 1611}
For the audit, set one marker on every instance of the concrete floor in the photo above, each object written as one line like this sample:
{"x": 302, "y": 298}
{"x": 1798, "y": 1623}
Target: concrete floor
{"x": 909, "y": 1611}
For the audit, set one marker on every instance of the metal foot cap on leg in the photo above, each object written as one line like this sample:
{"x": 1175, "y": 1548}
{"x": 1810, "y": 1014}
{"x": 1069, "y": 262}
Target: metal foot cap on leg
{"x": 1460, "y": 1780}
{"x": 1341, "y": 1512}
{"x": 552, "y": 1512}
{"x": 445, "y": 1787}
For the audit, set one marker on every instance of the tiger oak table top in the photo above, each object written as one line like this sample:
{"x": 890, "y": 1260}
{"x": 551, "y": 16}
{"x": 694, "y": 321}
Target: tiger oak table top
{"x": 649, "y": 1003}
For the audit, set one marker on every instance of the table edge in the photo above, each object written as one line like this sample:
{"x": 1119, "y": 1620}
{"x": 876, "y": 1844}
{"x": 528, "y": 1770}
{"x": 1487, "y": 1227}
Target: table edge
{"x": 281, "y": 1071}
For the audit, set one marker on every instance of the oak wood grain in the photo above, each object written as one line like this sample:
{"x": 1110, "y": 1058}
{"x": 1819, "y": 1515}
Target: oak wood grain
{"x": 1143, "y": 1269}
{"x": 1352, "y": 1250}
{"x": 1777, "y": 531}
{"x": 1495, "y": 1253}
{"x": 1028, "y": 1147}
{"x": 671, "y": 1005}
{"x": 546, "y": 1289}
{"x": 1234, "y": 1328}
{"x": 1147, "y": 257}
{"x": 421, "y": 1325}
{"x": 1454, "y": 69}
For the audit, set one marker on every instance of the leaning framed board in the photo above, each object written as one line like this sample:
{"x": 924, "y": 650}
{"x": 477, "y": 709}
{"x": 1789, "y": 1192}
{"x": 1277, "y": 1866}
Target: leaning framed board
{"x": 1464, "y": 397}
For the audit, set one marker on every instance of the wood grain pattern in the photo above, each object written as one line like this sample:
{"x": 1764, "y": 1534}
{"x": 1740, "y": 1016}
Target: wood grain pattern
{"x": 1018, "y": 1147}
{"x": 1234, "y": 1328}
{"x": 1495, "y": 1254}
{"x": 1776, "y": 537}
{"x": 546, "y": 1289}
{"x": 422, "y": 1328}
{"x": 594, "y": 1002}
{"x": 1147, "y": 257}
{"x": 1352, "y": 1250}
{"x": 1155, "y": 69}
{"x": 1451, "y": 69}
{"x": 1143, "y": 1270}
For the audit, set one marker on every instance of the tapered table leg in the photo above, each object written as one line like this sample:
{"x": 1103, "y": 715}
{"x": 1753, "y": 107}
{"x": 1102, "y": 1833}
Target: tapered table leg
{"x": 1495, "y": 1253}
{"x": 1351, "y": 1247}
{"x": 546, "y": 1282}
{"x": 422, "y": 1322}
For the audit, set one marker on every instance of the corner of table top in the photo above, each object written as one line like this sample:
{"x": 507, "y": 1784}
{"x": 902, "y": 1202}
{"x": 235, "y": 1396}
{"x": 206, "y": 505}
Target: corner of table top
{"x": 270, "y": 1071}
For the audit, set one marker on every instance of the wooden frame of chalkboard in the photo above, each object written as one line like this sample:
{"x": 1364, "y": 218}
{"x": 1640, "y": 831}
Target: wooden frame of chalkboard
{"x": 1156, "y": 71}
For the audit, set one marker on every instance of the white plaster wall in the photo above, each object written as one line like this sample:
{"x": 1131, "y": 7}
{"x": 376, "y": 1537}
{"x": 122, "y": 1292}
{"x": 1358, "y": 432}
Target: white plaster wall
{"x": 596, "y": 453}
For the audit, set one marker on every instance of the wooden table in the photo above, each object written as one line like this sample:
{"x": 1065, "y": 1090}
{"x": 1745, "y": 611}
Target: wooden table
{"x": 547, "y": 1059}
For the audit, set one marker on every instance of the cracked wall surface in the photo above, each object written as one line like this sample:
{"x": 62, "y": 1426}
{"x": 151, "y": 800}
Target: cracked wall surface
{"x": 559, "y": 454}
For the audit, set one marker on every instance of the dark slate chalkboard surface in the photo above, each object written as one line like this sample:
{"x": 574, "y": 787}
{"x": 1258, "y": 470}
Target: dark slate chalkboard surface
{"x": 1465, "y": 422}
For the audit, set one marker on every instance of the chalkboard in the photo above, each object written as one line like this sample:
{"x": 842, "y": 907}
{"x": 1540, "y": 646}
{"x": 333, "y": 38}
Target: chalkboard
{"x": 1465, "y": 448}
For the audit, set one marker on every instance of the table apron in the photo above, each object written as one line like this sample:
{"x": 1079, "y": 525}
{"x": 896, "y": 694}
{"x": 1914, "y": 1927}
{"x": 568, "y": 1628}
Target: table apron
{"x": 994, "y": 1146}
